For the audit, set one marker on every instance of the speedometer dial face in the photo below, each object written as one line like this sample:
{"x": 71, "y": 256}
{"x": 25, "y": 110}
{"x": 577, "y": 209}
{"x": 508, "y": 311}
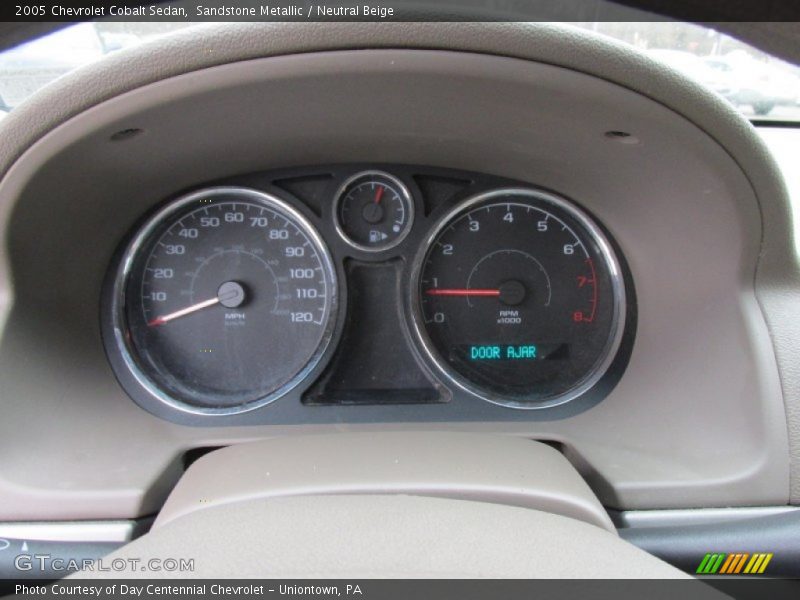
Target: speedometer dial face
{"x": 518, "y": 299}
{"x": 225, "y": 301}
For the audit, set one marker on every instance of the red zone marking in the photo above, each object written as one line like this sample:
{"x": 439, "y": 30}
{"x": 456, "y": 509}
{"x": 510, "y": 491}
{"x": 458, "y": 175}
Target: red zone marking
{"x": 594, "y": 290}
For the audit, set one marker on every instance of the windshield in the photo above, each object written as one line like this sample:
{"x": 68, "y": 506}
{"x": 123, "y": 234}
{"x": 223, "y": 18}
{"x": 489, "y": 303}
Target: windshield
{"x": 758, "y": 85}
{"x": 27, "y": 68}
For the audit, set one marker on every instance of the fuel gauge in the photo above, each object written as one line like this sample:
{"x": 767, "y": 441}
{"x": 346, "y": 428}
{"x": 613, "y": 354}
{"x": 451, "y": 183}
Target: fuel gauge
{"x": 373, "y": 211}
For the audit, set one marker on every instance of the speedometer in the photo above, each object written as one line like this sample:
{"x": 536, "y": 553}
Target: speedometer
{"x": 518, "y": 298}
{"x": 224, "y": 301}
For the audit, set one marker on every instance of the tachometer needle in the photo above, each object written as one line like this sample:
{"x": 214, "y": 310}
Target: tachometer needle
{"x": 183, "y": 312}
{"x": 462, "y": 292}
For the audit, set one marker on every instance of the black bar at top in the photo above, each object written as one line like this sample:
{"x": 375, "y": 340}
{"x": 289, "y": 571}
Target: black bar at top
{"x": 401, "y": 10}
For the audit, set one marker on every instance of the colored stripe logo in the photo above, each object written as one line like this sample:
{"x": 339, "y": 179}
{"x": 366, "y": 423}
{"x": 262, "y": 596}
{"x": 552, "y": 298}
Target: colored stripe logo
{"x": 718, "y": 563}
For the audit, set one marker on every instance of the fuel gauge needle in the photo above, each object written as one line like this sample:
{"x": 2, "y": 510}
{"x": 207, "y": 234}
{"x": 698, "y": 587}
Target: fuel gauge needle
{"x": 183, "y": 312}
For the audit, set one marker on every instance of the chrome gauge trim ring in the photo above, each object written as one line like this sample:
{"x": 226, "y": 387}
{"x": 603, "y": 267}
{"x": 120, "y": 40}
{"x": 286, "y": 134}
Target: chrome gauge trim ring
{"x": 449, "y": 374}
{"x": 122, "y": 339}
{"x": 406, "y": 196}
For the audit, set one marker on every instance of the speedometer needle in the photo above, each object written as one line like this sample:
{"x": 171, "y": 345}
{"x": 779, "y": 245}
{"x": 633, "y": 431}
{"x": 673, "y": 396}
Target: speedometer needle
{"x": 183, "y": 312}
{"x": 230, "y": 294}
{"x": 462, "y": 292}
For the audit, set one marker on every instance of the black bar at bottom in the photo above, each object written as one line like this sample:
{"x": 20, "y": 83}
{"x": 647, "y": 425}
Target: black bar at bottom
{"x": 400, "y": 589}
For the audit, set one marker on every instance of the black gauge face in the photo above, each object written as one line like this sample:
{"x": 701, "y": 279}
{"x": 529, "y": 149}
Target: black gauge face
{"x": 373, "y": 211}
{"x": 225, "y": 302}
{"x": 520, "y": 299}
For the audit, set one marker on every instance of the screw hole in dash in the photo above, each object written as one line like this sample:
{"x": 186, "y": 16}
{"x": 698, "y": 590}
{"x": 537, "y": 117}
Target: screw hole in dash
{"x": 126, "y": 134}
{"x": 623, "y": 137}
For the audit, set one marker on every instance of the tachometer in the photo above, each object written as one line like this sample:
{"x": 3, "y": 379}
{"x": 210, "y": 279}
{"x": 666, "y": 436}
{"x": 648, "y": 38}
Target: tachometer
{"x": 224, "y": 301}
{"x": 518, "y": 298}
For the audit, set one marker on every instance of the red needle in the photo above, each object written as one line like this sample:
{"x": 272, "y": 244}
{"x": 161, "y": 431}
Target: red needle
{"x": 182, "y": 312}
{"x": 379, "y": 194}
{"x": 462, "y": 292}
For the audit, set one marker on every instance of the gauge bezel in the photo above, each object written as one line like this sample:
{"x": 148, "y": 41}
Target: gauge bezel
{"x": 122, "y": 340}
{"x": 613, "y": 265}
{"x": 406, "y": 197}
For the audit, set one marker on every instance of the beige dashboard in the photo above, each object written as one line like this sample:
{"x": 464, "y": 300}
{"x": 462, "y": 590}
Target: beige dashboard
{"x": 698, "y": 419}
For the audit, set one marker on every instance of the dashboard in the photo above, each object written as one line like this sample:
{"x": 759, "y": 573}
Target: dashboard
{"x": 367, "y": 285}
{"x": 358, "y": 228}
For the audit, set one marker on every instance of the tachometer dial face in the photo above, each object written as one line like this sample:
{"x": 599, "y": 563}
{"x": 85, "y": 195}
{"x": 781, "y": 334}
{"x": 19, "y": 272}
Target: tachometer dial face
{"x": 373, "y": 211}
{"x": 225, "y": 301}
{"x": 518, "y": 298}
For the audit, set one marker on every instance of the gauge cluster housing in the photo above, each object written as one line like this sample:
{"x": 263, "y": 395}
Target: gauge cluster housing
{"x": 376, "y": 367}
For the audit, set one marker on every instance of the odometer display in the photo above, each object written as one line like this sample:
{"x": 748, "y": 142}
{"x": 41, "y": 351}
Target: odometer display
{"x": 518, "y": 298}
{"x": 225, "y": 301}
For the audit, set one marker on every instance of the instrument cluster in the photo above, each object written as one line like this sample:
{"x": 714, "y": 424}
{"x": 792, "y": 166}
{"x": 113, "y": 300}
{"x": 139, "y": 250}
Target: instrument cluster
{"x": 387, "y": 286}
